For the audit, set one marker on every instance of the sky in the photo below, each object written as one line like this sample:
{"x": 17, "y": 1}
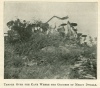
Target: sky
{"x": 84, "y": 14}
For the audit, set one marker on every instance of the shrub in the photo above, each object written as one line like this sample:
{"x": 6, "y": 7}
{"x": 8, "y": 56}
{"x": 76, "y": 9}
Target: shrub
{"x": 90, "y": 52}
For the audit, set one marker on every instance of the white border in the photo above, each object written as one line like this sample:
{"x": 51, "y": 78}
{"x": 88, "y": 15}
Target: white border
{"x": 61, "y": 81}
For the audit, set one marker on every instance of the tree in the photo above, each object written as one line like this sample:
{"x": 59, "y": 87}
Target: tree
{"x": 24, "y": 29}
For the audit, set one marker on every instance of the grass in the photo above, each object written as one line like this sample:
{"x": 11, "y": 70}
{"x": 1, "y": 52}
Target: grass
{"x": 46, "y": 57}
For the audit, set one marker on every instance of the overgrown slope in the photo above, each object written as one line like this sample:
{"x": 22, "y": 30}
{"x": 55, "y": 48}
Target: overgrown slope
{"x": 49, "y": 57}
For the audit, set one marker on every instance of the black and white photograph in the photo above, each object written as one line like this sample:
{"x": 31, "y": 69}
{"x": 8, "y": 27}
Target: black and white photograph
{"x": 50, "y": 40}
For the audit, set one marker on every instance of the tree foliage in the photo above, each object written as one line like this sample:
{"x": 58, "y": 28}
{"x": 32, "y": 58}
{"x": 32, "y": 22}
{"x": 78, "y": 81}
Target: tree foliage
{"x": 24, "y": 28}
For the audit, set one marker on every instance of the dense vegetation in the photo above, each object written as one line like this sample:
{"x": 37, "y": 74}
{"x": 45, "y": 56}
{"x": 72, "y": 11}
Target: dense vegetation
{"x": 39, "y": 56}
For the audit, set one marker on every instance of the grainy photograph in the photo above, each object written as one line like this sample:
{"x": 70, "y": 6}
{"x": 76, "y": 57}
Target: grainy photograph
{"x": 50, "y": 40}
